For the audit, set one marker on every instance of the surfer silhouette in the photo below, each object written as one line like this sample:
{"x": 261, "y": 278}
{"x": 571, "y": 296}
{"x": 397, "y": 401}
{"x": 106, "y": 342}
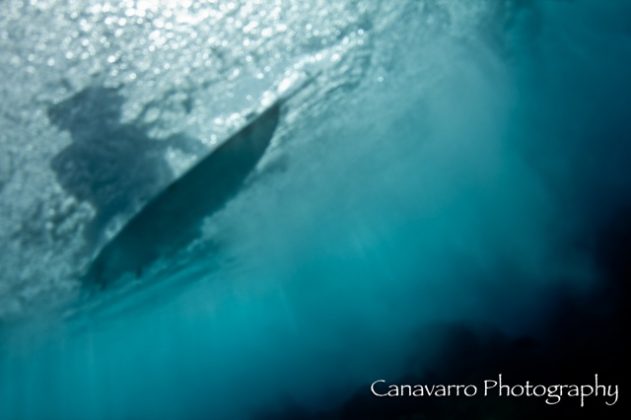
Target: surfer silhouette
{"x": 114, "y": 166}
{"x": 119, "y": 169}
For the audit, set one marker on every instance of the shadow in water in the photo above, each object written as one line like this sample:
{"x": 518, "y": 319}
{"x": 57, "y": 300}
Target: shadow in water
{"x": 114, "y": 166}
{"x": 173, "y": 218}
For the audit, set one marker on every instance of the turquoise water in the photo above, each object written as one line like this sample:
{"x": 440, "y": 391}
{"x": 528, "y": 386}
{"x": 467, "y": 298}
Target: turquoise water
{"x": 440, "y": 173}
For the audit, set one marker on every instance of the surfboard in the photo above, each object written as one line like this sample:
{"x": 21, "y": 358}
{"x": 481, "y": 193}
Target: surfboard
{"x": 173, "y": 217}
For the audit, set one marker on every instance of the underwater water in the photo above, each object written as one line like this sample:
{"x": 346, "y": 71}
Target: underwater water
{"x": 449, "y": 163}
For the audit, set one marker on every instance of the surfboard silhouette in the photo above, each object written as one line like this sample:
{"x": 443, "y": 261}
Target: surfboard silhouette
{"x": 173, "y": 217}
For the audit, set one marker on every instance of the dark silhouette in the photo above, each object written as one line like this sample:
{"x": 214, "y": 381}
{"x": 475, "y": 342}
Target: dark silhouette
{"x": 173, "y": 217}
{"x": 116, "y": 167}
